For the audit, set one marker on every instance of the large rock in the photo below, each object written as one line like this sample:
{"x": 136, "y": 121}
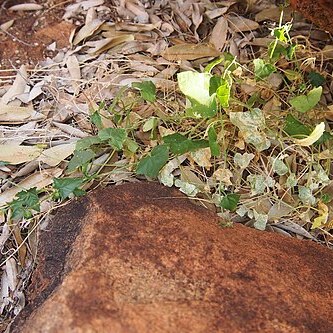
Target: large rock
{"x": 142, "y": 258}
{"x": 320, "y": 12}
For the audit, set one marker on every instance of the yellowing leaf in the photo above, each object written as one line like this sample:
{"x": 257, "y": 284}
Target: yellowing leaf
{"x": 16, "y": 154}
{"x": 313, "y": 137}
{"x": 323, "y": 216}
{"x": 189, "y": 52}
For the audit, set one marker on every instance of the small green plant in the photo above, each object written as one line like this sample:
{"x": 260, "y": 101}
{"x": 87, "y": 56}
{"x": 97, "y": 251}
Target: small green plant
{"x": 25, "y": 204}
{"x": 238, "y": 134}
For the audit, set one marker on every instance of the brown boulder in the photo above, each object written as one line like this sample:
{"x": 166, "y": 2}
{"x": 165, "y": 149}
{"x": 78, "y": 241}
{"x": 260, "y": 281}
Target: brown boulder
{"x": 142, "y": 258}
{"x": 320, "y": 12}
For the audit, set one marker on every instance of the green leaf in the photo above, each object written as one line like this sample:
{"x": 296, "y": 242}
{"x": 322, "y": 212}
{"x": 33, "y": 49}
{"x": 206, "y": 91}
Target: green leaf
{"x": 150, "y": 124}
{"x": 292, "y": 75}
{"x": 85, "y": 143}
{"x": 131, "y": 145}
{"x": 276, "y": 50}
{"x": 325, "y": 137}
{"x": 180, "y": 144}
{"x": 280, "y": 34}
{"x": 153, "y": 163}
{"x": 304, "y": 103}
{"x": 223, "y": 93}
{"x": 80, "y": 158}
{"x": 212, "y": 64}
{"x": 326, "y": 198}
{"x": 230, "y": 201}
{"x": 262, "y": 69}
{"x": 214, "y": 146}
{"x": 255, "y": 98}
{"x": 202, "y": 111}
{"x": 291, "y": 50}
{"x": 115, "y": 137}
{"x": 229, "y": 61}
{"x": 316, "y": 79}
{"x": 66, "y": 187}
{"x": 214, "y": 83}
{"x": 96, "y": 119}
{"x": 295, "y": 128}
{"x": 25, "y": 203}
{"x": 147, "y": 90}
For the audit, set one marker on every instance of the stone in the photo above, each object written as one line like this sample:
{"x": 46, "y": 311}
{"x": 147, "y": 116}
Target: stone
{"x": 143, "y": 258}
{"x": 319, "y": 12}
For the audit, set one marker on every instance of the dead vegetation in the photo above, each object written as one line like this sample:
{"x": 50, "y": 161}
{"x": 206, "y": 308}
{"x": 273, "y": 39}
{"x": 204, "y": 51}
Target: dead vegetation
{"x": 94, "y": 100}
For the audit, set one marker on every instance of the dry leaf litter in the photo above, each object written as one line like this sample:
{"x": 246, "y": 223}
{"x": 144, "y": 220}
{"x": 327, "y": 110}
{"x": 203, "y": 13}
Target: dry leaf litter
{"x": 45, "y": 111}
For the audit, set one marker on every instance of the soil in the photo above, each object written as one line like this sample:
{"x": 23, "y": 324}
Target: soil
{"x": 25, "y": 42}
{"x": 319, "y": 12}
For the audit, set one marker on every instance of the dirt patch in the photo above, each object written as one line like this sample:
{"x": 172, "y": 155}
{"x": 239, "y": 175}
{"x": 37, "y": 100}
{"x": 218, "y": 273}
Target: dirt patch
{"x": 319, "y": 12}
{"x": 26, "y": 41}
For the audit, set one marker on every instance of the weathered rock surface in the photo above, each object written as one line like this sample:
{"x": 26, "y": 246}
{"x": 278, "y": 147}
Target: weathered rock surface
{"x": 320, "y": 12}
{"x": 142, "y": 258}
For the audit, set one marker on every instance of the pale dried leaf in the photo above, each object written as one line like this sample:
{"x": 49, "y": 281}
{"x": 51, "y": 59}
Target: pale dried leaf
{"x": 85, "y": 5}
{"x": 219, "y": 34}
{"x": 4, "y": 290}
{"x": 26, "y": 7}
{"x": 18, "y": 87}
{"x": 11, "y": 271}
{"x": 136, "y": 27}
{"x": 188, "y": 176}
{"x": 91, "y": 15}
{"x": 328, "y": 51}
{"x": 21, "y": 246}
{"x": 5, "y": 233}
{"x": 72, "y": 131}
{"x": 39, "y": 179}
{"x": 36, "y": 91}
{"x": 279, "y": 210}
{"x": 17, "y": 154}
{"x": 5, "y": 26}
{"x": 140, "y": 13}
{"x": 224, "y": 176}
{"x": 202, "y": 157}
{"x": 74, "y": 71}
{"x": 189, "y": 52}
{"x": 28, "y": 168}
{"x": 108, "y": 43}
{"x": 21, "y": 134}
{"x": 10, "y": 114}
{"x": 238, "y": 23}
{"x": 294, "y": 227}
{"x": 217, "y": 12}
{"x": 273, "y": 14}
{"x": 87, "y": 30}
{"x": 54, "y": 155}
